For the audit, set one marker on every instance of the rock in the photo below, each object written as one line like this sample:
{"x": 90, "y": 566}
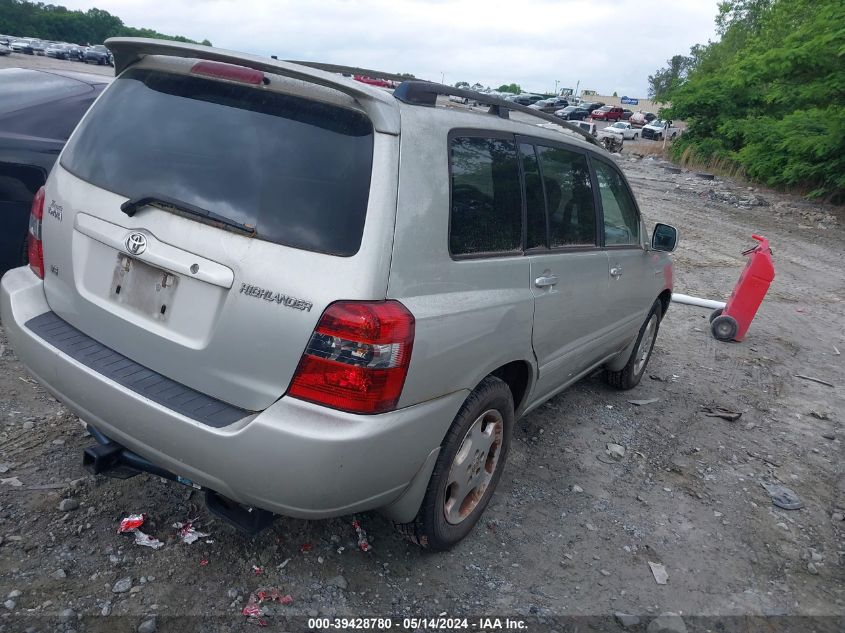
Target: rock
{"x": 147, "y": 626}
{"x": 67, "y": 615}
{"x": 837, "y": 516}
{"x": 67, "y": 505}
{"x": 151, "y": 578}
{"x": 829, "y": 436}
{"x": 14, "y": 594}
{"x": 626, "y": 621}
{"x": 136, "y": 589}
{"x": 667, "y": 623}
{"x": 811, "y": 567}
{"x": 232, "y": 593}
{"x": 106, "y": 609}
{"x": 122, "y": 586}
{"x": 340, "y": 582}
{"x": 58, "y": 442}
{"x": 616, "y": 451}
{"x": 590, "y": 527}
{"x": 59, "y": 574}
{"x": 576, "y": 488}
{"x": 604, "y": 572}
{"x": 10, "y": 604}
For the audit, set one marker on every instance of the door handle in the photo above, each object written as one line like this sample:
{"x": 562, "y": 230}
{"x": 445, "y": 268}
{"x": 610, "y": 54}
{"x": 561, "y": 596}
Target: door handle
{"x": 616, "y": 272}
{"x": 545, "y": 281}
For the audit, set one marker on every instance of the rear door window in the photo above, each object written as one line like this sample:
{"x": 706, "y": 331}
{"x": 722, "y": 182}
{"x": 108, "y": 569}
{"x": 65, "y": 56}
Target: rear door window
{"x": 621, "y": 219}
{"x": 486, "y": 204}
{"x": 295, "y": 169}
{"x": 572, "y": 211}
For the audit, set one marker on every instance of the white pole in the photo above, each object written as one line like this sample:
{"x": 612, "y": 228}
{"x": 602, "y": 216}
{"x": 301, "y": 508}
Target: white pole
{"x": 697, "y": 301}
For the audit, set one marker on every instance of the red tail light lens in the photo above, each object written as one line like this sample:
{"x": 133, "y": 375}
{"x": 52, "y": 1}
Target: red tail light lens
{"x": 357, "y": 358}
{"x": 34, "y": 246}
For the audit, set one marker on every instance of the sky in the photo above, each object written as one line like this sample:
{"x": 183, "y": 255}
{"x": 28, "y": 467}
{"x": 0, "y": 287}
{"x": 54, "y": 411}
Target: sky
{"x": 606, "y": 45}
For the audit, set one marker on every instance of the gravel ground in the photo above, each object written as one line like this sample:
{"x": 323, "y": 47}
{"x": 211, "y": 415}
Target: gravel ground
{"x": 567, "y": 540}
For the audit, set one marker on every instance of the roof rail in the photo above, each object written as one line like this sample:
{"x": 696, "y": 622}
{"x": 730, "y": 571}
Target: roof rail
{"x": 425, "y": 93}
{"x": 377, "y": 102}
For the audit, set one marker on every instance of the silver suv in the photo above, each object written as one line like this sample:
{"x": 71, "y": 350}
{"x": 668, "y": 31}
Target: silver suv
{"x": 311, "y": 297}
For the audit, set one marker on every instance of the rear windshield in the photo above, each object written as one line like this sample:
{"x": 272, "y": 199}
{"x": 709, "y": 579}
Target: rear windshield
{"x": 297, "y": 170}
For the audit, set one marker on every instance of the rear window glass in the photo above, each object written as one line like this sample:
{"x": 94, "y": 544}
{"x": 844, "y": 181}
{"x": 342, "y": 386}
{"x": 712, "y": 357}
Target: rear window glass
{"x": 295, "y": 169}
{"x": 486, "y": 198}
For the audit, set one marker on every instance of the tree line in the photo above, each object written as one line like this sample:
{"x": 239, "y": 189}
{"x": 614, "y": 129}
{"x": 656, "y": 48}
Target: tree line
{"x": 768, "y": 96}
{"x": 53, "y": 22}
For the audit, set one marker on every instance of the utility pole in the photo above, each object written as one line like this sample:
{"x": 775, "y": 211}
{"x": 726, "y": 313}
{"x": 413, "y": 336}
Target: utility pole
{"x": 442, "y": 77}
{"x": 576, "y": 88}
{"x": 557, "y": 81}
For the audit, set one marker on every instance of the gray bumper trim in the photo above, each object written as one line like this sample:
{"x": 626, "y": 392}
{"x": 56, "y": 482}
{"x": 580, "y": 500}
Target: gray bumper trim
{"x": 145, "y": 382}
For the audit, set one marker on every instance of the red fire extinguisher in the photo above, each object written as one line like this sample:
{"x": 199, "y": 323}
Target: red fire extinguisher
{"x": 732, "y": 321}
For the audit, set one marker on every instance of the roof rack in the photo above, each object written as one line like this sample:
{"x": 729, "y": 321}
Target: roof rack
{"x": 425, "y": 93}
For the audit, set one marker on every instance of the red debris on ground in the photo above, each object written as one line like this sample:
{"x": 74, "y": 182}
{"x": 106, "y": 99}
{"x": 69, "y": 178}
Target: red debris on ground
{"x": 257, "y": 570}
{"x": 203, "y": 562}
{"x": 306, "y": 547}
{"x": 253, "y": 608}
{"x": 132, "y": 522}
{"x": 363, "y": 543}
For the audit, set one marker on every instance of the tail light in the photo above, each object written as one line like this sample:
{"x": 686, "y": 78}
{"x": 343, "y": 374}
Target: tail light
{"x": 357, "y": 358}
{"x": 34, "y": 246}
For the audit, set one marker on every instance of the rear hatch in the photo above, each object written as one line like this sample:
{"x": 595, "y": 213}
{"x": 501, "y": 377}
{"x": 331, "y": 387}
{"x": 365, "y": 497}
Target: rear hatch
{"x": 199, "y": 222}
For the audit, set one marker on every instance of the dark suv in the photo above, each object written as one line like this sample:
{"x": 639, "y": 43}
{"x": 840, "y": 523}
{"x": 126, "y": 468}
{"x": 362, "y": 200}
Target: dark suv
{"x": 38, "y": 111}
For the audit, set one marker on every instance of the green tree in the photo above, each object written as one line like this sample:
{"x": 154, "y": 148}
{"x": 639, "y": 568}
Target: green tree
{"x": 661, "y": 83}
{"x": 770, "y": 95}
{"x": 512, "y": 88}
{"x": 53, "y": 22}
{"x": 462, "y": 84}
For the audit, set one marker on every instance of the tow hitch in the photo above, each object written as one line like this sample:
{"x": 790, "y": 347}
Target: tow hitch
{"x": 111, "y": 459}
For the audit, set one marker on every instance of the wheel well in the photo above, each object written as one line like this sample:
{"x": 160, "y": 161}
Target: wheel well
{"x": 515, "y": 375}
{"x": 665, "y": 297}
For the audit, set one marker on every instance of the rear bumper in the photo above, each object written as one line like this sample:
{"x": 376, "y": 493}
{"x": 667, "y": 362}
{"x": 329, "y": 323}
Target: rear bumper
{"x": 294, "y": 458}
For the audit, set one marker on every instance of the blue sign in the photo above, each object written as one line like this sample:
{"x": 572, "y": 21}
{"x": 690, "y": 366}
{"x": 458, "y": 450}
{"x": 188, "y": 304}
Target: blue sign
{"x": 630, "y": 101}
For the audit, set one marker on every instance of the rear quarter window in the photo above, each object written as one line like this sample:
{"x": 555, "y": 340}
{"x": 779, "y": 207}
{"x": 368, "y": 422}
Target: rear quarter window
{"x": 296, "y": 169}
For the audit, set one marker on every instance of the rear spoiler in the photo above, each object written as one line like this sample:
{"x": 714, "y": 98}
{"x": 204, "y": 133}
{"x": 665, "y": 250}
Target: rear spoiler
{"x": 379, "y": 104}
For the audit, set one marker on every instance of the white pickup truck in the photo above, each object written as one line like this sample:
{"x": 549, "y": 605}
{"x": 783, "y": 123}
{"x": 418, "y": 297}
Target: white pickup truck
{"x": 660, "y": 129}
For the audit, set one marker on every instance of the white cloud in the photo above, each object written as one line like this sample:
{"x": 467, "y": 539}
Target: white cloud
{"x": 607, "y": 45}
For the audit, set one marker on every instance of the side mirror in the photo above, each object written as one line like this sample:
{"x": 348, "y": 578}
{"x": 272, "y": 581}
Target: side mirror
{"x": 664, "y": 238}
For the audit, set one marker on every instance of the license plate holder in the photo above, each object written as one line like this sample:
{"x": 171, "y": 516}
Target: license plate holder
{"x": 143, "y": 288}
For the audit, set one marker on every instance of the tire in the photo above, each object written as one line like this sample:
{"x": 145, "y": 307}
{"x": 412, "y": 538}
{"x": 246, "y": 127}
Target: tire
{"x": 441, "y": 522}
{"x": 724, "y": 327}
{"x": 630, "y": 375}
{"x": 715, "y": 313}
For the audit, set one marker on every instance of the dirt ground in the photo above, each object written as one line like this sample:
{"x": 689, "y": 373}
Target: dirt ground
{"x": 567, "y": 540}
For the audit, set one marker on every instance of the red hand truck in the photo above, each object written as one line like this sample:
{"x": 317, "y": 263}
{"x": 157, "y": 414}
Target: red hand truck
{"x": 731, "y": 322}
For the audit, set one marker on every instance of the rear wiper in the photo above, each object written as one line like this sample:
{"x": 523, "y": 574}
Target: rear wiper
{"x": 131, "y": 206}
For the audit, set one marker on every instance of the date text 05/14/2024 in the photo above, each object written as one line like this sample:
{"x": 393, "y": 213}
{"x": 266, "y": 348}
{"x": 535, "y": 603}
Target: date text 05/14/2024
{"x": 481, "y": 624}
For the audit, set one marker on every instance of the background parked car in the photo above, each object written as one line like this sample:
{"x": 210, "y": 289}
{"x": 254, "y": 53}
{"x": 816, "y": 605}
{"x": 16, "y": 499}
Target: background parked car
{"x": 526, "y": 99}
{"x": 58, "y": 51}
{"x": 22, "y": 46}
{"x": 550, "y": 105}
{"x": 592, "y": 106}
{"x": 658, "y": 129}
{"x": 573, "y": 113}
{"x": 38, "y": 47}
{"x": 607, "y": 113}
{"x": 101, "y": 55}
{"x": 587, "y": 126}
{"x": 622, "y": 129}
{"x": 639, "y": 119}
{"x": 4, "y": 49}
{"x": 38, "y": 111}
{"x": 626, "y": 114}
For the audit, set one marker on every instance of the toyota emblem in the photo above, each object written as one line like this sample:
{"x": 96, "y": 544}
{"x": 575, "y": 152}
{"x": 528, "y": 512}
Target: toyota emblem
{"x": 136, "y": 243}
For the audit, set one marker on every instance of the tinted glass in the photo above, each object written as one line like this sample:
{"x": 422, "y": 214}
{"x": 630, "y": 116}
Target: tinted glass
{"x": 534, "y": 199}
{"x": 572, "y": 213}
{"x": 297, "y": 170}
{"x": 21, "y": 88}
{"x": 621, "y": 221}
{"x": 486, "y": 202}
